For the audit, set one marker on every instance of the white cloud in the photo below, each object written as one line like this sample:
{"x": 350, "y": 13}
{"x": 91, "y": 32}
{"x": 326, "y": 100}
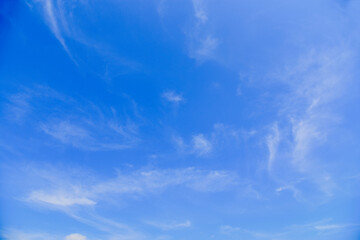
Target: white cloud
{"x": 64, "y": 21}
{"x": 75, "y": 236}
{"x": 18, "y": 106}
{"x": 202, "y": 43}
{"x": 60, "y": 198}
{"x": 201, "y": 145}
{"x": 272, "y": 143}
{"x": 237, "y": 231}
{"x": 291, "y": 187}
{"x": 141, "y": 182}
{"x": 21, "y": 104}
{"x": 81, "y": 125}
{"x": 66, "y": 132}
{"x": 229, "y": 229}
{"x": 328, "y": 227}
{"x": 15, "y": 234}
{"x": 170, "y": 226}
{"x": 172, "y": 97}
{"x": 52, "y": 12}
{"x": 205, "y": 48}
{"x": 325, "y": 226}
{"x": 66, "y": 191}
{"x": 289, "y": 232}
{"x": 87, "y": 136}
{"x": 200, "y": 12}
{"x": 77, "y": 193}
{"x": 317, "y": 84}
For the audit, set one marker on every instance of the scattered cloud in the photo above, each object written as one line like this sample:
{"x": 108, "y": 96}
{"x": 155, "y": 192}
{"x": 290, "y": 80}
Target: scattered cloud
{"x": 202, "y": 41}
{"x": 221, "y": 135}
{"x": 172, "y": 97}
{"x": 205, "y": 48}
{"x": 201, "y": 145}
{"x": 200, "y": 12}
{"x": 75, "y": 236}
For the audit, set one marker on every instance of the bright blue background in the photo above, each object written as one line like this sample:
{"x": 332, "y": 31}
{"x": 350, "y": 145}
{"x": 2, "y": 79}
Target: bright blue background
{"x": 179, "y": 119}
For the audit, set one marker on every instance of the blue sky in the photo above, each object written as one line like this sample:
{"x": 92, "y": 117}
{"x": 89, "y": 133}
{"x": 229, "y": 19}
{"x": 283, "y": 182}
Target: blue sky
{"x": 172, "y": 120}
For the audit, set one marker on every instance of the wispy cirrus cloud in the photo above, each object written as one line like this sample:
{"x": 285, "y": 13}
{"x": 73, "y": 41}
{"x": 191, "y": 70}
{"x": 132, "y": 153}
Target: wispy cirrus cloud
{"x": 170, "y": 226}
{"x": 145, "y": 182}
{"x": 78, "y": 193}
{"x": 66, "y": 21}
{"x": 322, "y": 227}
{"x": 85, "y": 137}
{"x": 60, "y": 198}
{"x": 21, "y": 105}
{"x": 317, "y": 83}
{"x": 65, "y": 132}
{"x": 65, "y": 190}
{"x": 55, "y": 16}
{"x": 81, "y": 125}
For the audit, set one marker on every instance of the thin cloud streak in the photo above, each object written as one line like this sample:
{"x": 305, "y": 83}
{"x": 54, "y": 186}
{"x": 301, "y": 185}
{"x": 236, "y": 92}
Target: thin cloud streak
{"x": 170, "y": 226}
{"x": 52, "y": 15}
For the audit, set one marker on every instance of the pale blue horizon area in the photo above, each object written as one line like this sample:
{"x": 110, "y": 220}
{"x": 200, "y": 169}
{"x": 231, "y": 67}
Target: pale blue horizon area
{"x": 178, "y": 120}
